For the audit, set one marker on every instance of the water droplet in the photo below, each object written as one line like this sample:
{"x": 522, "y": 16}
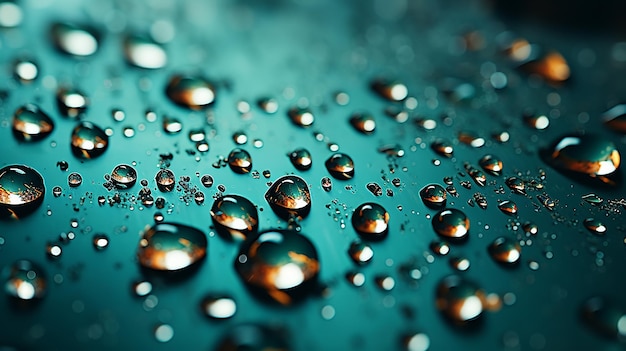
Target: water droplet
{"x": 171, "y": 247}
{"x": 539, "y": 122}
{"x": 504, "y": 250}
{"x": 289, "y": 197}
{"x": 385, "y": 282}
{"x": 218, "y": 306}
{"x": 100, "y": 241}
{"x": 172, "y": 125}
{"x": 128, "y": 132}
{"x": 508, "y": 207}
{"x": 471, "y": 139}
{"x": 72, "y": 102}
{"x": 374, "y": 188}
{"x": 53, "y": 250}
{"x": 552, "y": 67}
{"x": 123, "y": 176}
{"x": 74, "y": 180}
{"x": 592, "y": 199}
{"x": 530, "y": 228}
{"x": 363, "y": 122}
{"x": 605, "y": 317}
{"x": 371, "y": 221}
{"x": 207, "y": 180}
{"x": 118, "y": 115}
{"x": 416, "y": 342}
{"x": 254, "y": 337}
{"x": 21, "y": 190}
{"x": 360, "y": 252}
{"x": 390, "y": 90}
{"x": 240, "y": 137}
{"x": 595, "y": 226}
{"x": 440, "y": 248}
{"x": 516, "y": 184}
{"x": 302, "y": 117}
{"x": 282, "y": 264}
{"x": 460, "y": 300}
{"x": 57, "y": 191}
{"x": 144, "y": 53}
{"x": 460, "y": 264}
{"x": 589, "y": 155}
{"x": 615, "y": 118}
{"x": 240, "y": 161}
{"x": 356, "y": 279}
{"x": 235, "y": 215}
{"x": 451, "y": 223}
{"x": 31, "y": 124}
{"x": 163, "y": 333}
{"x": 142, "y": 288}
{"x": 340, "y": 166}
{"x": 393, "y": 150}
{"x": 165, "y": 179}
{"x": 327, "y": 184}
{"x": 11, "y": 14}
{"x": 301, "y": 159}
{"x": 193, "y": 92}
{"x": 491, "y": 164}
{"x": 442, "y": 147}
{"x": 88, "y": 140}
{"x": 75, "y": 40}
{"x": 433, "y": 196}
{"x": 268, "y": 105}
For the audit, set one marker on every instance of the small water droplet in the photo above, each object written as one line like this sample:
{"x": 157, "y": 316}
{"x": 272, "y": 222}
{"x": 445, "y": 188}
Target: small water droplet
{"x": 53, "y": 250}
{"x": 471, "y": 139}
{"x": 30, "y": 123}
{"x": 460, "y": 264}
{"x": 460, "y": 300}
{"x": 74, "y": 39}
{"x": 57, "y": 191}
{"x": 508, "y": 207}
{"x": 504, "y": 250}
{"x": 385, "y": 282}
{"x": 374, "y": 188}
{"x": 165, "y": 179}
{"x": 615, "y": 118}
{"x": 360, "y": 252}
{"x": 363, "y": 122}
{"x": 491, "y": 164}
{"x": 100, "y": 241}
{"x": 25, "y": 281}
{"x": 451, "y": 223}
{"x": 530, "y": 228}
{"x": 142, "y": 288}
{"x": 74, "y": 179}
{"x": 193, "y": 92}
{"x": 356, "y": 279}
{"x": 282, "y": 264}
{"x": 235, "y": 215}
{"x": 595, "y": 226}
{"x": 393, "y": 150}
{"x": 442, "y": 147}
{"x": 268, "y": 105}
{"x": 433, "y": 196}
{"x": 416, "y": 342}
{"x": 301, "y": 159}
{"x": 88, "y": 140}
{"x": 72, "y": 102}
{"x": 218, "y": 306}
{"x": 327, "y": 184}
{"x": 207, "y": 180}
{"x": 240, "y": 161}
{"x": 123, "y": 176}
{"x": 289, "y": 196}
{"x": 390, "y": 90}
{"x": 440, "y": 248}
{"x": 172, "y": 125}
{"x": 171, "y": 247}
{"x": 592, "y": 199}
{"x": 144, "y": 53}
{"x": 11, "y": 14}
{"x": 302, "y": 117}
{"x": 516, "y": 184}
{"x": 21, "y": 190}
{"x": 340, "y": 166}
{"x": 240, "y": 137}
{"x": 163, "y": 333}
{"x": 539, "y": 122}
{"x": 371, "y": 221}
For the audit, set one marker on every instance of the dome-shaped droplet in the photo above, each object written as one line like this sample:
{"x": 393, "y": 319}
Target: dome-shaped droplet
{"x": 516, "y": 184}
{"x": 235, "y": 215}
{"x": 172, "y": 125}
{"x": 193, "y": 92}
{"x": 89, "y": 140}
{"x": 615, "y": 118}
{"x": 371, "y": 221}
{"x": 433, "y": 196}
{"x": 171, "y": 247}
{"x": 31, "y": 124}
{"x": 71, "y": 102}
{"x": 539, "y": 122}
{"x": 267, "y": 104}
{"x": 24, "y": 281}
{"x": 302, "y": 117}
{"x": 605, "y": 317}
{"x": 25, "y": 70}
{"x": 340, "y": 166}
{"x": 123, "y": 176}
{"x": 21, "y": 190}
{"x": 165, "y": 179}
{"x": 442, "y": 147}
{"x": 460, "y": 264}
{"x": 491, "y": 164}
{"x": 451, "y": 223}
{"x": 301, "y": 159}
{"x": 588, "y": 154}
{"x": 75, "y": 40}
{"x": 504, "y": 250}
{"x": 440, "y": 248}
{"x": 360, "y": 252}
{"x": 254, "y": 337}
{"x": 218, "y": 306}
{"x": 240, "y": 161}
{"x": 100, "y": 241}
{"x": 508, "y": 207}
{"x": 595, "y": 226}
{"x": 74, "y": 179}
{"x": 207, "y": 180}
{"x": 471, "y": 139}
{"x": 363, "y": 122}
{"x": 144, "y": 53}
{"x": 390, "y": 90}
{"x": 281, "y": 264}
{"x": 289, "y": 196}
{"x": 459, "y": 300}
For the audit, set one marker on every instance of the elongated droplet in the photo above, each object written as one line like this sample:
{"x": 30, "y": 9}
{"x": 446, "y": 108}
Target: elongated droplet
{"x": 193, "y": 92}
{"x": 72, "y": 102}
{"x": 75, "y": 40}
{"x": 172, "y": 125}
{"x": 21, "y": 190}
{"x": 371, "y": 221}
{"x": 491, "y": 164}
{"x": 442, "y": 147}
{"x": 254, "y": 337}
{"x": 451, "y": 223}
{"x": 390, "y": 90}
{"x": 31, "y": 124}
{"x": 301, "y": 159}
{"x": 302, "y": 117}
{"x": 218, "y": 306}
{"x": 508, "y": 207}
{"x": 25, "y": 281}
{"x": 516, "y": 184}
{"x": 615, "y": 118}
{"x": 144, "y": 53}
{"x": 165, "y": 180}
{"x": 171, "y": 247}
{"x": 268, "y": 105}
{"x": 363, "y": 122}
{"x": 433, "y": 196}
{"x": 340, "y": 166}
{"x": 89, "y": 140}
{"x": 240, "y": 161}
{"x": 505, "y": 251}
{"x": 460, "y": 300}
{"x": 282, "y": 265}
{"x": 289, "y": 196}
{"x": 235, "y": 215}
{"x": 123, "y": 176}
{"x": 595, "y": 226}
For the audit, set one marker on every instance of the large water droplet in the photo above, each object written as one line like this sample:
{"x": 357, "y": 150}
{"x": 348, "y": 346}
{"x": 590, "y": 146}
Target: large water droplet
{"x": 390, "y": 90}
{"x": 25, "y": 281}
{"x": 75, "y": 40}
{"x": 302, "y": 117}
{"x": 165, "y": 180}
{"x": 144, "y": 53}
{"x": 240, "y": 161}
{"x": 171, "y": 247}
{"x": 433, "y": 196}
{"x": 193, "y": 92}
{"x": 585, "y": 155}
{"x": 505, "y": 251}
{"x": 89, "y": 140}
{"x": 281, "y": 264}
{"x": 235, "y": 215}
{"x": 289, "y": 197}
{"x": 615, "y": 118}
{"x": 21, "y": 190}
{"x": 363, "y": 122}
{"x": 72, "y": 102}
{"x": 605, "y": 317}
{"x": 31, "y": 124}
{"x": 123, "y": 176}
{"x": 254, "y": 337}
{"x": 451, "y": 223}
{"x": 371, "y": 221}
{"x": 340, "y": 166}
{"x": 301, "y": 159}
{"x": 460, "y": 300}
